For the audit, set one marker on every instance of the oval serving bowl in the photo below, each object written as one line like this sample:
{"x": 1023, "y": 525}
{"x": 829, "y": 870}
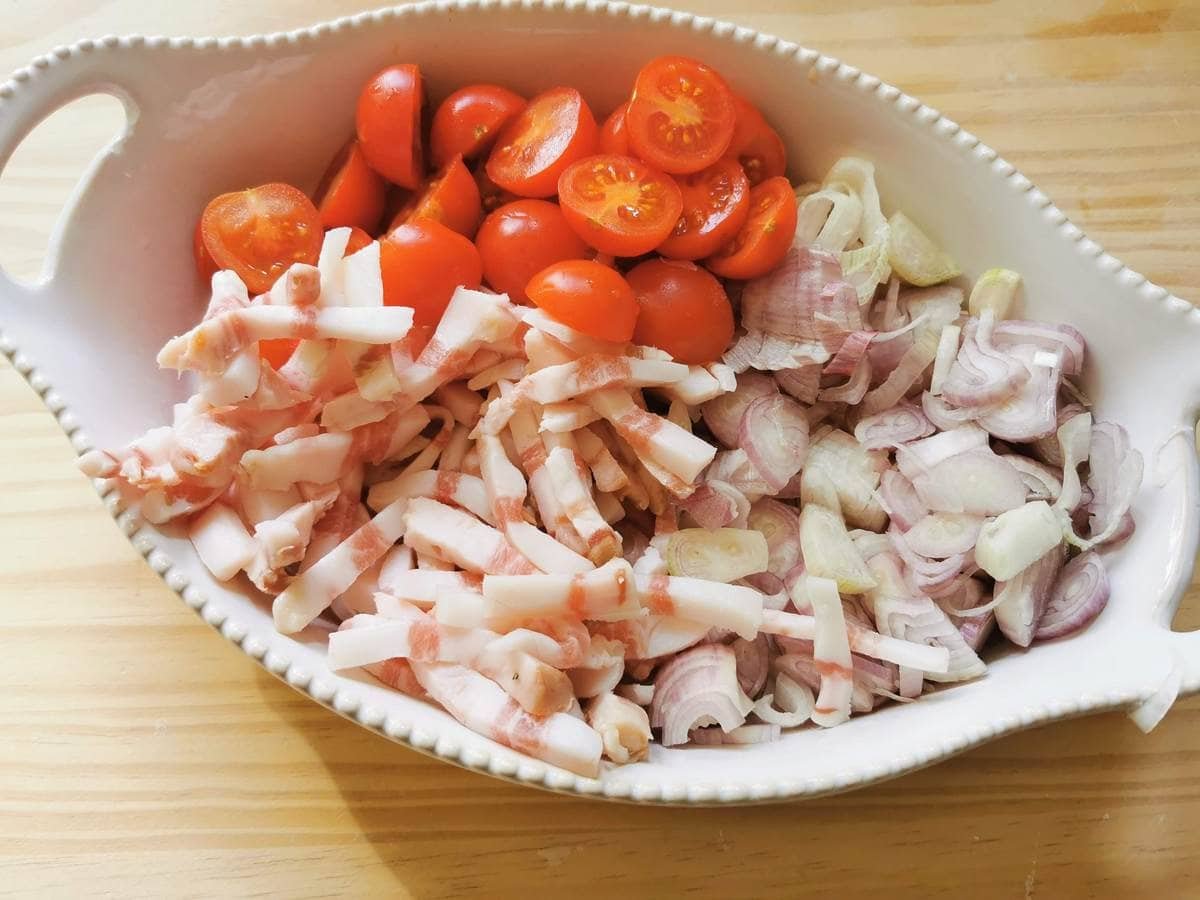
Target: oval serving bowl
{"x": 210, "y": 115}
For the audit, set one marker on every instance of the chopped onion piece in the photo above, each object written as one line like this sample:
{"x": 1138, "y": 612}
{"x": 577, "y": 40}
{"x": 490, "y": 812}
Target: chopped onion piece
{"x": 779, "y": 524}
{"x": 1079, "y": 595}
{"x": 1021, "y": 601}
{"x": 698, "y": 686}
{"x": 829, "y": 552}
{"x": 995, "y": 290}
{"x": 1016, "y": 539}
{"x": 724, "y": 414}
{"x": 941, "y": 535}
{"x": 916, "y": 258}
{"x": 894, "y": 426}
{"x": 947, "y": 350}
{"x": 723, "y": 554}
{"x": 774, "y": 434}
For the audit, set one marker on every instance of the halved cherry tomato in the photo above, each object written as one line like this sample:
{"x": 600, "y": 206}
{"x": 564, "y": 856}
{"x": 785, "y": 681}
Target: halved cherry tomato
{"x": 716, "y": 202}
{"x": 588, "y": 297}
{"x": 388, "y": 121}
{"x": 205, "y": 267}
{"x": 277, "y": 351}
{"x": 554, "y": 130}
{"x": 763, "y": 241}
{"x": 684, "y": 310}
{"x": 451, "y": 197}
{"x": 468, "y": 121}
{"x": 358, "y": 240}
{"x": 681, "y": 116}
{"x": 422, "y": 263}
{"x": 351, "y": 192}
{"x": 262, "y": 231}
{"x": 756, "y": 145}
{"x": 618, "y": 204}
{"x": 614, "y": 138}
{"x": 520, "y": 239}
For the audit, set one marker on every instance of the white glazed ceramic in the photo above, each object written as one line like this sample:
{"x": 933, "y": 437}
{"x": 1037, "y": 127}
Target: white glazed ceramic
{"x": 209, "y": 115}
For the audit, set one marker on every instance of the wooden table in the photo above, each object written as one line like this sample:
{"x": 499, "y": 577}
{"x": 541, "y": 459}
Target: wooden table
{"x": 142, "y": 755}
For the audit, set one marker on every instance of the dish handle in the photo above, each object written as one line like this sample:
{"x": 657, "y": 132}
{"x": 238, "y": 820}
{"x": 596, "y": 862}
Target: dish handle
{"x": 29, "y": 97}
{"x": 1174, "y": 469}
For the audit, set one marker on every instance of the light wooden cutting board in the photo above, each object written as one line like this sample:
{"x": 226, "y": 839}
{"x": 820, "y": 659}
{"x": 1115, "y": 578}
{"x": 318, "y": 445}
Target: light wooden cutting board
{"x": 142, "y": 755}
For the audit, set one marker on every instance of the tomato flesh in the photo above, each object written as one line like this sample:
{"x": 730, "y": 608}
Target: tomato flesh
{"x": 522, "y": 238}
{"x": 716, "y": 202}
{"x": 554, "y": 130}
{"x": 351, "y": 192}
{"x": 358, "y": 240}
{"x": 388, "y": 123}
{"x": 684, "y": 310}
{"x": 259, "y": 233}
{"x": 468, "y": 121}
{"x": 618, "y": 204}
{"x": 451, "y": 197}
{"x": 422, "y": 263}
{"x": 586, "y": 296}
{"x": 681, "y": 116}
{"x": 206, "y": 268}
{"x": 756, "y": 145}
{"x": 763, "y": 241}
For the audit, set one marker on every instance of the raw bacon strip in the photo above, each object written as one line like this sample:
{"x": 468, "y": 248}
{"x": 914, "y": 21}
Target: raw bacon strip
{"x": 458, "y": 537}
{"x": 607, "y": 472}
{"x": 623, "y": 726}
{"x": 862, "y": 640}
{"x": 221, "y": 541}
{"x": 505, "y": 489}
{"x": 569, "y": 415}
{"x": 319, "y": 460}
{"x": 209, "y": 347}
{"x": 717, "y": 605}
{"x": 462, "y": 402}
{"x": 604, "y": 593}
{"x": 482, "y": 706}
{"x": 388, "y": 438}
{"x": 423, "y": 586}
{"x": 313, "y": 590}
{"x": 444, "y": 486}
{"x": 831, "y": 651}
{"x": 504, "y": 370}
{"x": 554, "y": 384}
{"x": 282, "y": 541}
{"x": 578, "y": 505}
{"x": 652, "y": 437}
{"x": 430, "y": 453}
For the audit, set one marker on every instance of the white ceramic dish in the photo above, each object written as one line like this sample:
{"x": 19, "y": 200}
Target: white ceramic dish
{"x": 209, "y": 115}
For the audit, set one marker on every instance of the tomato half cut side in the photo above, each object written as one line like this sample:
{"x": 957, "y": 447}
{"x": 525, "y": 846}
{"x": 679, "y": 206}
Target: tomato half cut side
{"x": 469, "y": 120}
{"x": 756, "y": 145}
{"x": 614, "y": 138}
{"x": 422, "y": 262}
{"x": 450, "y": 197}
{"x": 388, "y": 123}
{"x": 763, "y": 241}
{"x": 618, "y": 204}
{"x": 277, "y": 351}
{"x": 684, "y": 310}
{"x": 351, "y": 193}
{"x": 259, "y": 233}
{"x": 681, "y": 116}
{"x": 586, "y": 296}
{"x": 520, "y": 239}
{"x": 554, "y": 130}
{"x": 716, "y": 202}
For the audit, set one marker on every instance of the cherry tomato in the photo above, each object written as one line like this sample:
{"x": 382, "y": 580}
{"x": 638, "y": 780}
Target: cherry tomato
{"x": 520, "y": 239}
{"x": 261, "y": 232}
{"x": 614, "y": 138}
{"x": 588, "y": 297}
{"x": 716, "y": 202}
{"x": 491, "y": 195}
{"x": 468, "y": 121}
{"x": 756, "y": 145}
{"x": 451, "y": 197}
{"x": 388, "y": 121}
{"x": 205, "y": 267}
{"x": 681, "y": 117}
{"x": 763, "y": 240}
{"x": 422, "y": 262}
{"x": 684, "y": 310}
{"x": 358, "y": 240}
{"x": 277, "y": 351}
{"x": 554, "y": 130}
{"x": 351, "y": 192}
{"x": 618, "y": 204}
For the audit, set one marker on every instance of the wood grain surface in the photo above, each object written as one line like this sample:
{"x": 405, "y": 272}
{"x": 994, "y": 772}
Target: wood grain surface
{"x": 143, "y": 755}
